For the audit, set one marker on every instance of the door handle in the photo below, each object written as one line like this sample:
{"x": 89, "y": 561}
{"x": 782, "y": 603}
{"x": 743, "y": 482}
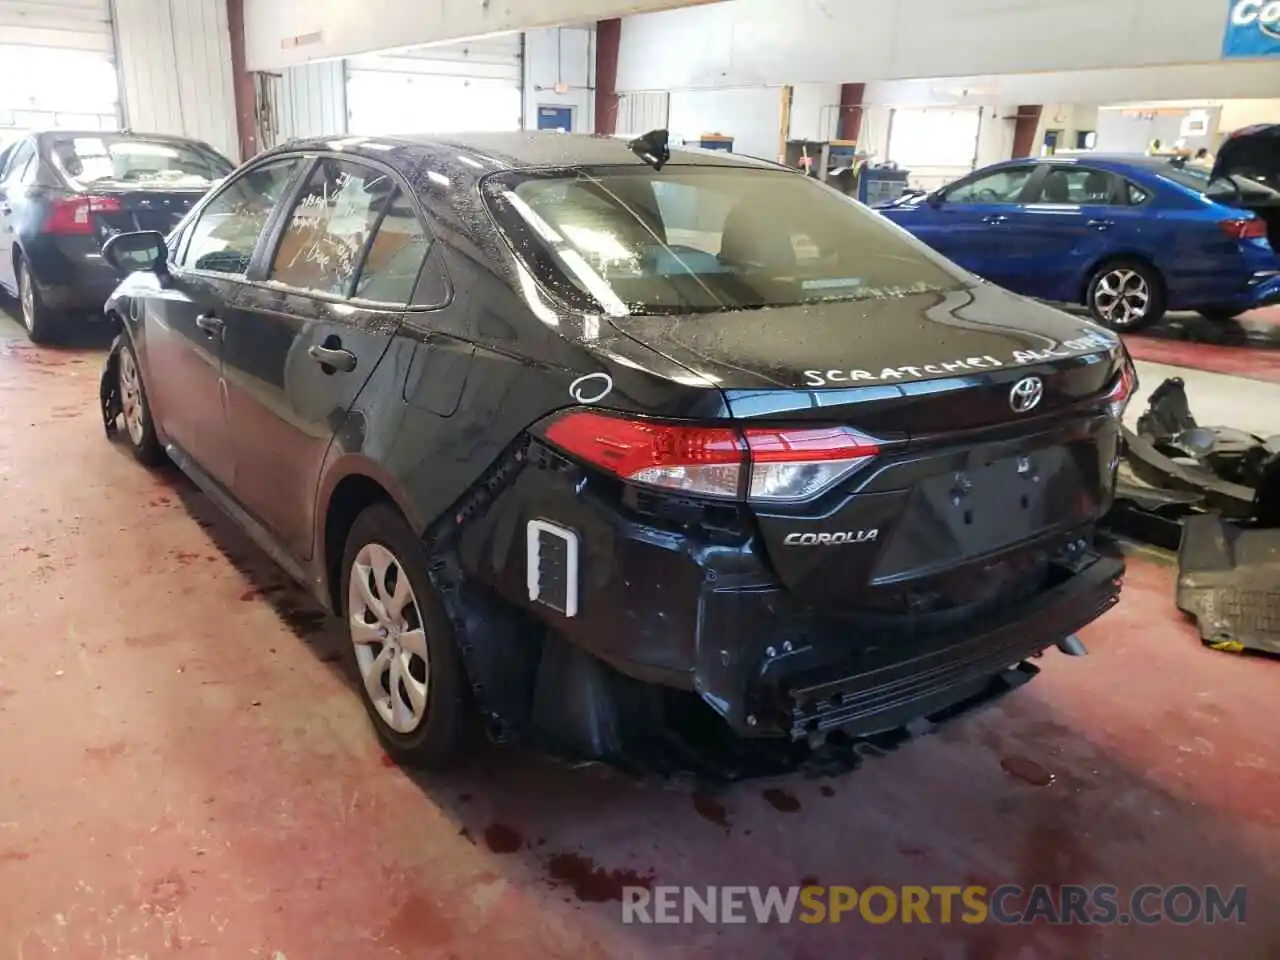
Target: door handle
{"x": 210, "y": 324}
{"x": 1100, "y": 224}
{"x": 333, "y": 358}
{"x": 995, "y": 218}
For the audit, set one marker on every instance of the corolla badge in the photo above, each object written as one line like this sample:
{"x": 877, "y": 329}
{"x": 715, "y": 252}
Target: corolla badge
{"x": 1026, "y": 394}
{"x": 830, "y": 539}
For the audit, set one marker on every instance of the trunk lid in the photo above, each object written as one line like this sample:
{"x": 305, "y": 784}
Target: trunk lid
{"x": 1252, "y": 153}
{"x": 915, "y": 365}
{"x": 140, "y": 207}
{"x": 979, "y": 479}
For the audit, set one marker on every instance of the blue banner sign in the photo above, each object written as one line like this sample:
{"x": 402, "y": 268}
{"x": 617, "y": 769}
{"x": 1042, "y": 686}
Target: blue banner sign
{"x": 1253, "y": 29}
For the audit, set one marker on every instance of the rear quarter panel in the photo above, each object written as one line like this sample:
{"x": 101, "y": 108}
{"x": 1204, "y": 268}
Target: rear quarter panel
{"x": 1198, "y": 262}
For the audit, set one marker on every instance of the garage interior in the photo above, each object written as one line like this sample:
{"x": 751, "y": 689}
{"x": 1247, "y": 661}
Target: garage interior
{"x": 185, "y": 763}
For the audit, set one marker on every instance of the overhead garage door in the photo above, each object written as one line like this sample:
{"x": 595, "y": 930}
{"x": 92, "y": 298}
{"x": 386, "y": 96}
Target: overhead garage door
{"x": 937, "y": 144}
{"x": 472, "y": 85}
{"x": 57, "y": 65}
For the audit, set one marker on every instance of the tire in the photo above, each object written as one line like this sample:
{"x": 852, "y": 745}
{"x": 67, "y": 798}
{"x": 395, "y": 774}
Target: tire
{"x": 139, "y": 426}
{"x": 43, "y": 325}
{"x": 1126, "y": 295}
{"x": 421, "y": 724}
{"x": 1221, "y": 314}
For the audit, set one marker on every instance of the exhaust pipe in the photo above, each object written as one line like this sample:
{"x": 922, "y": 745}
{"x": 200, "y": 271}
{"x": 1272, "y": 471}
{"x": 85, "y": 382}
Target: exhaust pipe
{"x": 1072, "y": 647}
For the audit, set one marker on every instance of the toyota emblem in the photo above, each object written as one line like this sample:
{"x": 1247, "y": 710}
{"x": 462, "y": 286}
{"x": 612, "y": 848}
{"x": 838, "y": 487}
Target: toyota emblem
{"x": 1026, "y": 394}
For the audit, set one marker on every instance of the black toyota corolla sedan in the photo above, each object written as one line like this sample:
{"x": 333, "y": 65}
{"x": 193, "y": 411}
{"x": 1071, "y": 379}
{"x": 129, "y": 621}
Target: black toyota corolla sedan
{"x": 64, "y": 193}
{"x": 586, "y": 435}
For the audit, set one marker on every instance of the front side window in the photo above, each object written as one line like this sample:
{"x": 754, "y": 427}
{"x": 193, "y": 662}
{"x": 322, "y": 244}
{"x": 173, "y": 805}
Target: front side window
{"x": 1075, "y": 185}
{"x": 227, "y": 230}
{"x": 706, "y": 239}
{"x": 1002, "y": 186}
{"x": 99, "y": 159}
{"x": 324, "y": 241}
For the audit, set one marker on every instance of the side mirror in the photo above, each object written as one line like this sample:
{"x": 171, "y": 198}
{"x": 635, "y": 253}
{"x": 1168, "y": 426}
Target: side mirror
{"x": 937, "y": 198}
{"x": 143, "y": 251}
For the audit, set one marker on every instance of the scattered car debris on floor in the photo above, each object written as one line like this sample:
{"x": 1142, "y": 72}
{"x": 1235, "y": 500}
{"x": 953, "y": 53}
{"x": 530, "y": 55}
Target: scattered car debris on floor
{"x": 1213, "y": 495}
{"x": 1229, "y": 580}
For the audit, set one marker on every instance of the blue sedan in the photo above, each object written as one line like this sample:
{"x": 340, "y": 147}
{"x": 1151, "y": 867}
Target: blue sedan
{"x": 1128, "y": 236}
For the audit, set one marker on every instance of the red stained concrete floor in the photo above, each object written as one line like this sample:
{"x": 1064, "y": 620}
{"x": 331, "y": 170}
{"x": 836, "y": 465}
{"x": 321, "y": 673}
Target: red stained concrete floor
{"x": 1253, "y": 363}
{"x": 1246, "y": 347}
{"x": 184, "y": 767}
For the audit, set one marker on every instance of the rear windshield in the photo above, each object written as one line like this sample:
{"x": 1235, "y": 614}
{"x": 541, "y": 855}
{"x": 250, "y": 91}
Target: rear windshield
{"x": 1236, "y": 187}
{"x": 706, "y": 239}
{"x": 94, "y": 159}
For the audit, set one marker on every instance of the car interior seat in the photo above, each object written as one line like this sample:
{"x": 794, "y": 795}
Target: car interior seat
{"x": 753, "y": 238}
{"x": 1056, "y": 189}
{"x": 1097, "y": 187}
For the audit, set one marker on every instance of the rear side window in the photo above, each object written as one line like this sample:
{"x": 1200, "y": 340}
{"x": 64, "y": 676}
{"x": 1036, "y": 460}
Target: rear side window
{"x": 395, "y": 255}
{"x": 335, "y": 217}
{"x": 1076, "y": 186}
{"x": 1135, "y": 194}
{"x": 227, "y": 230}
{"x": 706, "y": 239}
{"x": 1232, "y": 189}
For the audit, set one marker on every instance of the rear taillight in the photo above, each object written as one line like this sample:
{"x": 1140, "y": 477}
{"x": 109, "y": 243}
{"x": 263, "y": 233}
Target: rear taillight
{"x": 1253, "y": 229}
{"x": 801, "y": 463}
{"x": 766, "y": 464}
{"x": 72, "y": 214}
{"x": 1122, "y": 392}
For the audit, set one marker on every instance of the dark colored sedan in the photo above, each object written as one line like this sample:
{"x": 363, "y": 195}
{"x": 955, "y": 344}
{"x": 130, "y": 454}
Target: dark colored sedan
{"x": 596, "y": 436}
{"x": 64, "y": 193}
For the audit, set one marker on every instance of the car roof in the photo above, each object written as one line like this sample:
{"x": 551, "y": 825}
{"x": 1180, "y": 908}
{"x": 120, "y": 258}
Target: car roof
{"x": 139, "y": 134}
{"x": 516, "y": 150}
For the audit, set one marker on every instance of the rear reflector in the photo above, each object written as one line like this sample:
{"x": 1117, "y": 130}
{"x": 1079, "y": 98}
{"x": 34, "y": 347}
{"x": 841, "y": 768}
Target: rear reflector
{"x": 1244, "y": 229}
{"x": 784, "y": 464}
{"x": 71, "y": 216}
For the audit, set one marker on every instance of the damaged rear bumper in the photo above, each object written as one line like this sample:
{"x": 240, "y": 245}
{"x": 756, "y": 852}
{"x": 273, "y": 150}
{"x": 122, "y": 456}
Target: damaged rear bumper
{"x": 820, "y": 674}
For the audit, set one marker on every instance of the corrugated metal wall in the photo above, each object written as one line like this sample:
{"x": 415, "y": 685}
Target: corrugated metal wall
{"x": 175, "y": 69}
{"x": 642, "y": 112}
{"x": 311, "y": 101}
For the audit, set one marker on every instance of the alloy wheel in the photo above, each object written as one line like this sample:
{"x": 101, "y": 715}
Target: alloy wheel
{"x": 28, "y": 297}
{"x": 1122, "y": 297}
{"x": 390, "y": 642}
{"x": 131, "y": 397}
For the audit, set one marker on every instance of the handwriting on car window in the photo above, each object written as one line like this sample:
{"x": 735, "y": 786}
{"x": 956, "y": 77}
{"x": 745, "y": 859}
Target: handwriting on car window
{"x": 328, "y": 229}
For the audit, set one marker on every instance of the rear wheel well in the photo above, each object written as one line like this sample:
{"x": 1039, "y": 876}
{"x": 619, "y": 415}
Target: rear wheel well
{"x": 1113, "y": 259}
{"x": 350, "y": 498}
